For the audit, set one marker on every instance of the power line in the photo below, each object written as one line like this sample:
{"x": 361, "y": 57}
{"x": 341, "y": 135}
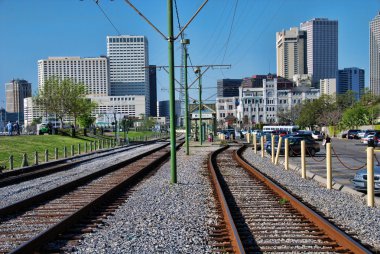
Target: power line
{"x": 105, "y": 14}
{"x": 229, "y": 35}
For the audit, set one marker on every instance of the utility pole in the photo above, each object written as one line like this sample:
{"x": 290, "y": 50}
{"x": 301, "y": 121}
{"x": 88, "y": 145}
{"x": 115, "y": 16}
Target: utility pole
{"x": 171, "y": 38}
{"x": 187, "y": 129}
{"x": 198, "y": 71}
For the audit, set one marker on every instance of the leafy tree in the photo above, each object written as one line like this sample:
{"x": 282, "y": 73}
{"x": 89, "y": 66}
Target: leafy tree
{"x": 345, "y": 101}
{"x": 356, "y": 116}
{"x": 86, "y": 120}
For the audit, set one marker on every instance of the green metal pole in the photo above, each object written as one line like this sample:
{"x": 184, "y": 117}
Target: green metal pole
{"x": 186, "y": 105}
{"x": 200, "y": 107}
{"x": 173, "y": 159}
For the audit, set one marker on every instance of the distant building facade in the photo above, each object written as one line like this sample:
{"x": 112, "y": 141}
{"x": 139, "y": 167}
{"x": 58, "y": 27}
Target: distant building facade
{"x": 328, "y": 86}
{"x": 322, "y": 48}
{"x": 15, "y": 92}
{"x": 351, "y": 79}
{"x": 128, "y": 59}
{"x": 163, "y": 110}
{"x": 228, "y": 87}
{"x": 291, "y": 52}
{"x": 153, "y": 89}
{"x": 374, "y": 55}
{"x": 92, "y": 72}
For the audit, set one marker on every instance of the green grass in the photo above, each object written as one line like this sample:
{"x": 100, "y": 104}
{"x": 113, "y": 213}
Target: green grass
{"x": 17, "y": 145}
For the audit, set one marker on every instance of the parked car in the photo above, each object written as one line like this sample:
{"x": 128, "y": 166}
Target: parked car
{"x": 312, "y": 147}
{"x": 317, "y": 135}
{"x": 367, "y": 138}
{"x": 360, "y": 179}
{"x": 363, "y": 133}
{"x": 353, "y": 134}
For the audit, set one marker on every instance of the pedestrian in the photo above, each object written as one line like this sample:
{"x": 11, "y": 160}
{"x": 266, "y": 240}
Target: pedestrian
{"x": 326, "y": 140}
{"x": 17, "y": 128}
{"x": 9, "y": 127}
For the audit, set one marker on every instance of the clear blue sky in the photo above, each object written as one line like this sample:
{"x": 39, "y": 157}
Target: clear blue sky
{"x": 37, "y": 29}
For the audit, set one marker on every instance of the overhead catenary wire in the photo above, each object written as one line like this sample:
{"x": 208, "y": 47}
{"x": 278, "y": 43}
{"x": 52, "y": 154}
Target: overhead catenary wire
{"x": 105, "y": 15}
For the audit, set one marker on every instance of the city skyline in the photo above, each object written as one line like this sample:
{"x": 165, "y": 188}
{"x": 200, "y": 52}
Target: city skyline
{"x": 80, "y": 29}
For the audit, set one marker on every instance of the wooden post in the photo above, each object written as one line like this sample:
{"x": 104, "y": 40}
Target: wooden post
{"x": 72, "y": 150}
{"x": 79, "y": 148}
{"x": 286, "y": 154}
{"x": 303, "y": 160}
{"x": 91, "y": 146}
{"x": 272, "y": 147}
{"x": 65, "y": 152}
{"x": 370, "y": 178}
{"x": 278, "y": 150}
{"x": 46, "y": 155}
{"x": 11, "y": 162}
{"x": 35, "y": 158}
{"x": 56, "y": 153}
{"x": 328, "y": 166}
{"x": 254, "y": 143}
{"x": 262, "y": 146}
{"x": 24, "y": 162}
{"x": 85, "y": 147}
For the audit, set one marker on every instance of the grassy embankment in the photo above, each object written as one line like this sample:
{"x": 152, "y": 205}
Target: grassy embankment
{"x": 18, "y": 145}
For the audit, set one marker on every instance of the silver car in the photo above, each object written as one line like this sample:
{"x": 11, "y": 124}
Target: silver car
{"x": 360, "y": 179}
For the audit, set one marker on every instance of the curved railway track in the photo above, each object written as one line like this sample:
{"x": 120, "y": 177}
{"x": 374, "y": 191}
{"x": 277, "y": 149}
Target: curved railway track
{"x": 28, "y": 225}
{"x": 259, "y": 216}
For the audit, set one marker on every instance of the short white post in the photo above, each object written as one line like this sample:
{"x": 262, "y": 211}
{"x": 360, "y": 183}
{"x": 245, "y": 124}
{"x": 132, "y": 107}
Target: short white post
{"x": 286, "y": 154}
{"x": 272, "y": 148}
{"x": 303, "y": 160}
{"x": 262, "y": 146}
{"x": 278, "y": 150}
{"x": 370, "y": 177}
{"x": 328, "y": 166}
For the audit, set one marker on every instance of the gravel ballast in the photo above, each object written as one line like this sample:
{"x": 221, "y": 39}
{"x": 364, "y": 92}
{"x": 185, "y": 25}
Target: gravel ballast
{"x": 13, "y": 193}
{"x": 159, "y": 217}
{"x": 347, "y": 210}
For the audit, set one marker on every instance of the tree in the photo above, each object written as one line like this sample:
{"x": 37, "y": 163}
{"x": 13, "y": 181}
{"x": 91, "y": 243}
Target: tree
{"x": 64, "y": 98}
{"x": 86, "y": 120}
{"x": 356, "y": 116}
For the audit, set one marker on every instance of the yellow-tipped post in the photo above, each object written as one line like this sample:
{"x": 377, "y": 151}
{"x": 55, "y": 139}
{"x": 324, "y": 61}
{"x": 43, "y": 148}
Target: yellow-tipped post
{"x": 328, "y": 166}
{"x": 286, "y": 154}
{"x": 303, "y": 160}
{"x": 262, "y": 146}
{"x": 278, "y": 150}
{"x": 254, "y": 143}
{"x": 272, "y": 148}
{"x": 370, "y": 178}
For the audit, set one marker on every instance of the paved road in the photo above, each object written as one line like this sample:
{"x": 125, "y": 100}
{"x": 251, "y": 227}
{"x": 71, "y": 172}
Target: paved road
{"x": 349, "y": 156}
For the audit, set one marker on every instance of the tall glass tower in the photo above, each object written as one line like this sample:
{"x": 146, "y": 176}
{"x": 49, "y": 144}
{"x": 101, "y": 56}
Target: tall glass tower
{"x": 374, "y": 55}
{"x": 322, "y": 48}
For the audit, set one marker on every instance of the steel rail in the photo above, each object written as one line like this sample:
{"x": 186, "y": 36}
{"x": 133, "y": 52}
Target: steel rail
{"x": 49, "y": 194}
{"x": 52, "y": 232}
{"x": 332, "y": 231}
{"x": 233, "y": 233}
{"x": 51, "y": 167}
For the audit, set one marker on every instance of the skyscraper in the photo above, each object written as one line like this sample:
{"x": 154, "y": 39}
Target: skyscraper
{"x": 153, "y": 89}
{"x": 374, "y": 55}
{"x": 228, "y": 87}
{"x": 322, "y": 48}
{"x": 92, "y": 72}
{"x": 128, "y": 60}
{"x": 15, "y": 92}
{"x": 351, "y": 79}
{"x": 291, "y": 52}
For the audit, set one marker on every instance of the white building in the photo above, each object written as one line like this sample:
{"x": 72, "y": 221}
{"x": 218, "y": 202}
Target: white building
{"x": 226, "y": 106}
{"x": 92, "y": 72}
{"x": 328, "y": 86}
{"x": 262, "y": 104}
{"x": 108, "y": 106}
{"x": 128, "y": 59}
{"x": 31, "y": 111}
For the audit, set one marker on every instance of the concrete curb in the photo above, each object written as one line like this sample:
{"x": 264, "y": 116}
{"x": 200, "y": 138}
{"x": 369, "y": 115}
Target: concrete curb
{"x": 336, "y": 185}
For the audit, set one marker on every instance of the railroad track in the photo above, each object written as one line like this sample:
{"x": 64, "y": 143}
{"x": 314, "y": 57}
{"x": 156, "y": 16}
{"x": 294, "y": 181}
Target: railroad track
{"x": 28, "y": 225}
{"x": 259, "y": 216}
{"x": 24, "y": 174}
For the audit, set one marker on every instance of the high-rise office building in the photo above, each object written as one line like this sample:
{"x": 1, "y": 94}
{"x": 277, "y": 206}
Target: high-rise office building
{"x": 92, "y": 72}
{"x": 374, "y": 55}
{"x": 322, "y": 48}
{"x": 228, "y": 87}
{"x": 291, "y": 52}
{"x": 15, "y": 92}
{"x": 128, "y": 60}
{"x": 164, "y": 110}
{"x": 153, "y": 89}
{"x": 351, "y": 79}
